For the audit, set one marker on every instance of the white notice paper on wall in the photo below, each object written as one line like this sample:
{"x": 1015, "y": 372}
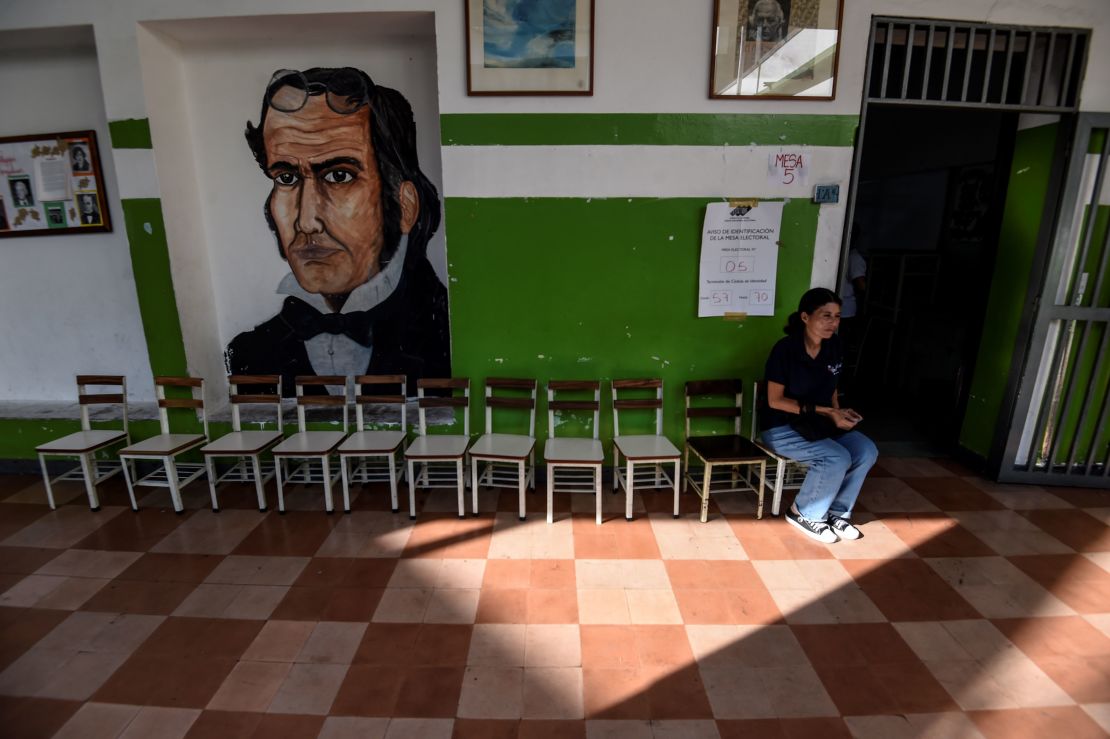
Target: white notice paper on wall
{"x": 739, "y": 259}
{"x": 52, "y": 178}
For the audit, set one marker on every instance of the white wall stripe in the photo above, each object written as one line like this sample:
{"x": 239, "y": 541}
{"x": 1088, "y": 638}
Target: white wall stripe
{"x": 135, "y": 173}
{"x": 634, "y": 171}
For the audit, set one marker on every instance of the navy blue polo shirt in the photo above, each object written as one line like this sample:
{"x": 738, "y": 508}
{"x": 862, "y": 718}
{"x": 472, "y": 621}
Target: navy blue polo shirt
{"x": 805, "y": 379}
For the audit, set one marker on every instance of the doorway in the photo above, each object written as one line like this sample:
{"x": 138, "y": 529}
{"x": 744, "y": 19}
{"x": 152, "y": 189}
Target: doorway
{"x": 929, "y": 200}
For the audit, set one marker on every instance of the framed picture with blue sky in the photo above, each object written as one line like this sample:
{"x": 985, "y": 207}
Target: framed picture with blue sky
{"x": 529, "y": 47}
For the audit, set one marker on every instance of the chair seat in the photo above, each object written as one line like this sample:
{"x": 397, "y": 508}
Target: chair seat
{"x": 309, "y": 444}
{"x": 163, "y": 445}
{"x": 81, "y": 442}
{"x": 725, "y": 449}
{"x": 575, "y": 451}
{"x": 371, "y": 442}
{"x": 503, "y": 446}
{"x": 440, "y": 445}
{"x": 242, "y": 442}
{"x": 646, "y": 447}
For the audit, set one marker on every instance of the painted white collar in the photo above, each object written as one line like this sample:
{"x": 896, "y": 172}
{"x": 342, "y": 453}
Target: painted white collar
{"x": 365, "y": 296}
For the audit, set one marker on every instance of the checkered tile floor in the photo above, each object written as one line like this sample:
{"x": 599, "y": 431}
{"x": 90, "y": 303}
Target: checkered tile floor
{"x": 968, "y": 610}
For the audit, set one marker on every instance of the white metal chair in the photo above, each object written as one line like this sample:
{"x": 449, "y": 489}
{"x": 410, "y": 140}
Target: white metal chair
{"x": 86, "y": 443}
{"x": 246, "y": 445}
{"x": 721, "y": 456}
{"x": 438, "y": 460}
{"x": 166, "y": 446}
{"x": 573, "y": 464}
{"x": 509, "y": 459}
{"x": 312, "y": 446}
{"x": 786, "y": 474}
{"x": 375, "y": 451}
{"x": 649, "y": 452}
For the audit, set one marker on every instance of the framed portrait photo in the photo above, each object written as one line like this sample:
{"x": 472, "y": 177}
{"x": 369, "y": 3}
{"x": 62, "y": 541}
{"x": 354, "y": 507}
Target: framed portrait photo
{"x": 529, "y": 47}
{"x": 54, "y": 185}
{"x": 775, "y": 49}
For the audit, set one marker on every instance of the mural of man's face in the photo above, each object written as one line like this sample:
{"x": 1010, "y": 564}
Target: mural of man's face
{"x": 87, "y": 204}
{"x": 326, "y": 199}
{"x": 21, "y": 190}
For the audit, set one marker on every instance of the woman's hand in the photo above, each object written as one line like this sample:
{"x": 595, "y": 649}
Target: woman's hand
{"x": 844, "y": 418}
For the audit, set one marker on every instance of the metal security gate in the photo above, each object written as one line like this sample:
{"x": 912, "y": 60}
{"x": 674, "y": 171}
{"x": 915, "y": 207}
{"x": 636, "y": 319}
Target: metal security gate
{"x": 1060, "y": 429}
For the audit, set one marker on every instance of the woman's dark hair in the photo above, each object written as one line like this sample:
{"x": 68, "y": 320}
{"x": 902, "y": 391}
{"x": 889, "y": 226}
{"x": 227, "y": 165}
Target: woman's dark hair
{"x": 811, "y": 301}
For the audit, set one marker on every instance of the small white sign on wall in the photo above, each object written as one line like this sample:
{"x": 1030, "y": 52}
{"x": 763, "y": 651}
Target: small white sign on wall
{"x": 739, "y": 259}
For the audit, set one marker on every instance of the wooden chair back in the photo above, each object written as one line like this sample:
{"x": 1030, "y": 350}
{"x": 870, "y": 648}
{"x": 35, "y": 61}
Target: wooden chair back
{"x": 395, "y": 401}
{"x": 195, "y": 401}
{"x": 511, "y": 384}
{"x": 257, "y": 384}
{"x": 85, "y": 398}
{"x": 626, "y": 404}
{"x": 715, "y": 399}
{"x": 450, "y": 384}
{"x": 561, "y": 403}
{"x": 320, "y": 401}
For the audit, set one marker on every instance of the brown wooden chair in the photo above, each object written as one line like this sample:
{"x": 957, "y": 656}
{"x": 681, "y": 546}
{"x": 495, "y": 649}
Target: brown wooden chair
{"x": 439, "y": 460}
{"x": 167, "y": 446}
{"x": 509, "y": 459}
{"x": 573, "y": 464}
{"x": 246, "y": 445}
{"x": 648, "y": 452}
{"x": 312, "y": 446}
{"x": 378, "y": 454}
{"x": 88, "y": 442}
{"x": 727, "y": 460}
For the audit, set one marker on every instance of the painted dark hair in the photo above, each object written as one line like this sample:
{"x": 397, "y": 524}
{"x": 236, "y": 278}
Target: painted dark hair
{"x": 393, "y": 137}
{"x": 811, "y": 300}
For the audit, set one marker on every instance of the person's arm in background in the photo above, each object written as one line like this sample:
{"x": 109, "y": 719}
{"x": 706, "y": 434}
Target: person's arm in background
{"x": 845, "y": 419}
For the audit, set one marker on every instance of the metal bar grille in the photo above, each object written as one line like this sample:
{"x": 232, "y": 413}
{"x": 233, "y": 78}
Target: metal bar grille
{"x": 980, "y": 65}
{"x": 1066, "y": 389}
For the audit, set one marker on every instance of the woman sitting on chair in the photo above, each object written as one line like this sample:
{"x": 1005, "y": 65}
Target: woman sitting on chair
{"x": 803, "y": 420}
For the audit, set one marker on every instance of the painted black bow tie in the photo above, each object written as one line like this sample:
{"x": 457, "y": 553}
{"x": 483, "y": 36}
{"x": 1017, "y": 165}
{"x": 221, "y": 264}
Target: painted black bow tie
{"x": 307, "y": 322}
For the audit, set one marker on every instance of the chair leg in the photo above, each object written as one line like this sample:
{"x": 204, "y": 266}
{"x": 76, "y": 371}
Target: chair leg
{"x": 685, "y": 466}
{"x": 474, "y": 484}
{"x": 550, "y": 495}
{"x": 279, "y": 473}
{"x": 677, "y": 470}
{"x": 210, "y": 468}
{"x": 329, "y": 504}
{"x": 90, "y": 486}
{"x": 707, "y": 480}
{"x": 128, "y": 473}
{"x": 628, "y": 487}
{"x": 412, "y": 492}
{"x": 776, "y": 502}
{"x": 616, "y": 470}
{"x": 171, "y": 477}
{"x": 521, "y": 482}
{"x": 343, "y": 461}
{"x": 461, "y": 479}
{"x": 532, "y": 470}
{"x": 259, "y": 488}
{"x": 597, "y": 493}
{"x": 392, "y": 482}
{"x": 46, "y": 482}
{"x": 759, "y": 503}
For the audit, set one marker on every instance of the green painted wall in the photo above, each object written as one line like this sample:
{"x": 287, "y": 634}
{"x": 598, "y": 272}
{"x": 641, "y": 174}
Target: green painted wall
{"x": 1021, "y": 222}
{"x": 603, "y": 288}
{"x": 646, "y": 129}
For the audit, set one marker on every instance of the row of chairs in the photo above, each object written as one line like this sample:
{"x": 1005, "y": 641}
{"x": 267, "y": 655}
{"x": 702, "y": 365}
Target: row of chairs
{"x": 721, "y": 462}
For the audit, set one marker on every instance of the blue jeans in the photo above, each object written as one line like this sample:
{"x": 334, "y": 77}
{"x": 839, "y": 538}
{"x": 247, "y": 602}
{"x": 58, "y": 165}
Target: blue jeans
{"x": 836, "y": 469}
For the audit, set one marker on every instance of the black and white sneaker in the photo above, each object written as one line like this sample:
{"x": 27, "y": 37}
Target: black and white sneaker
{"x": 844, "y": 528}
{"x": 818, "y": 530}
